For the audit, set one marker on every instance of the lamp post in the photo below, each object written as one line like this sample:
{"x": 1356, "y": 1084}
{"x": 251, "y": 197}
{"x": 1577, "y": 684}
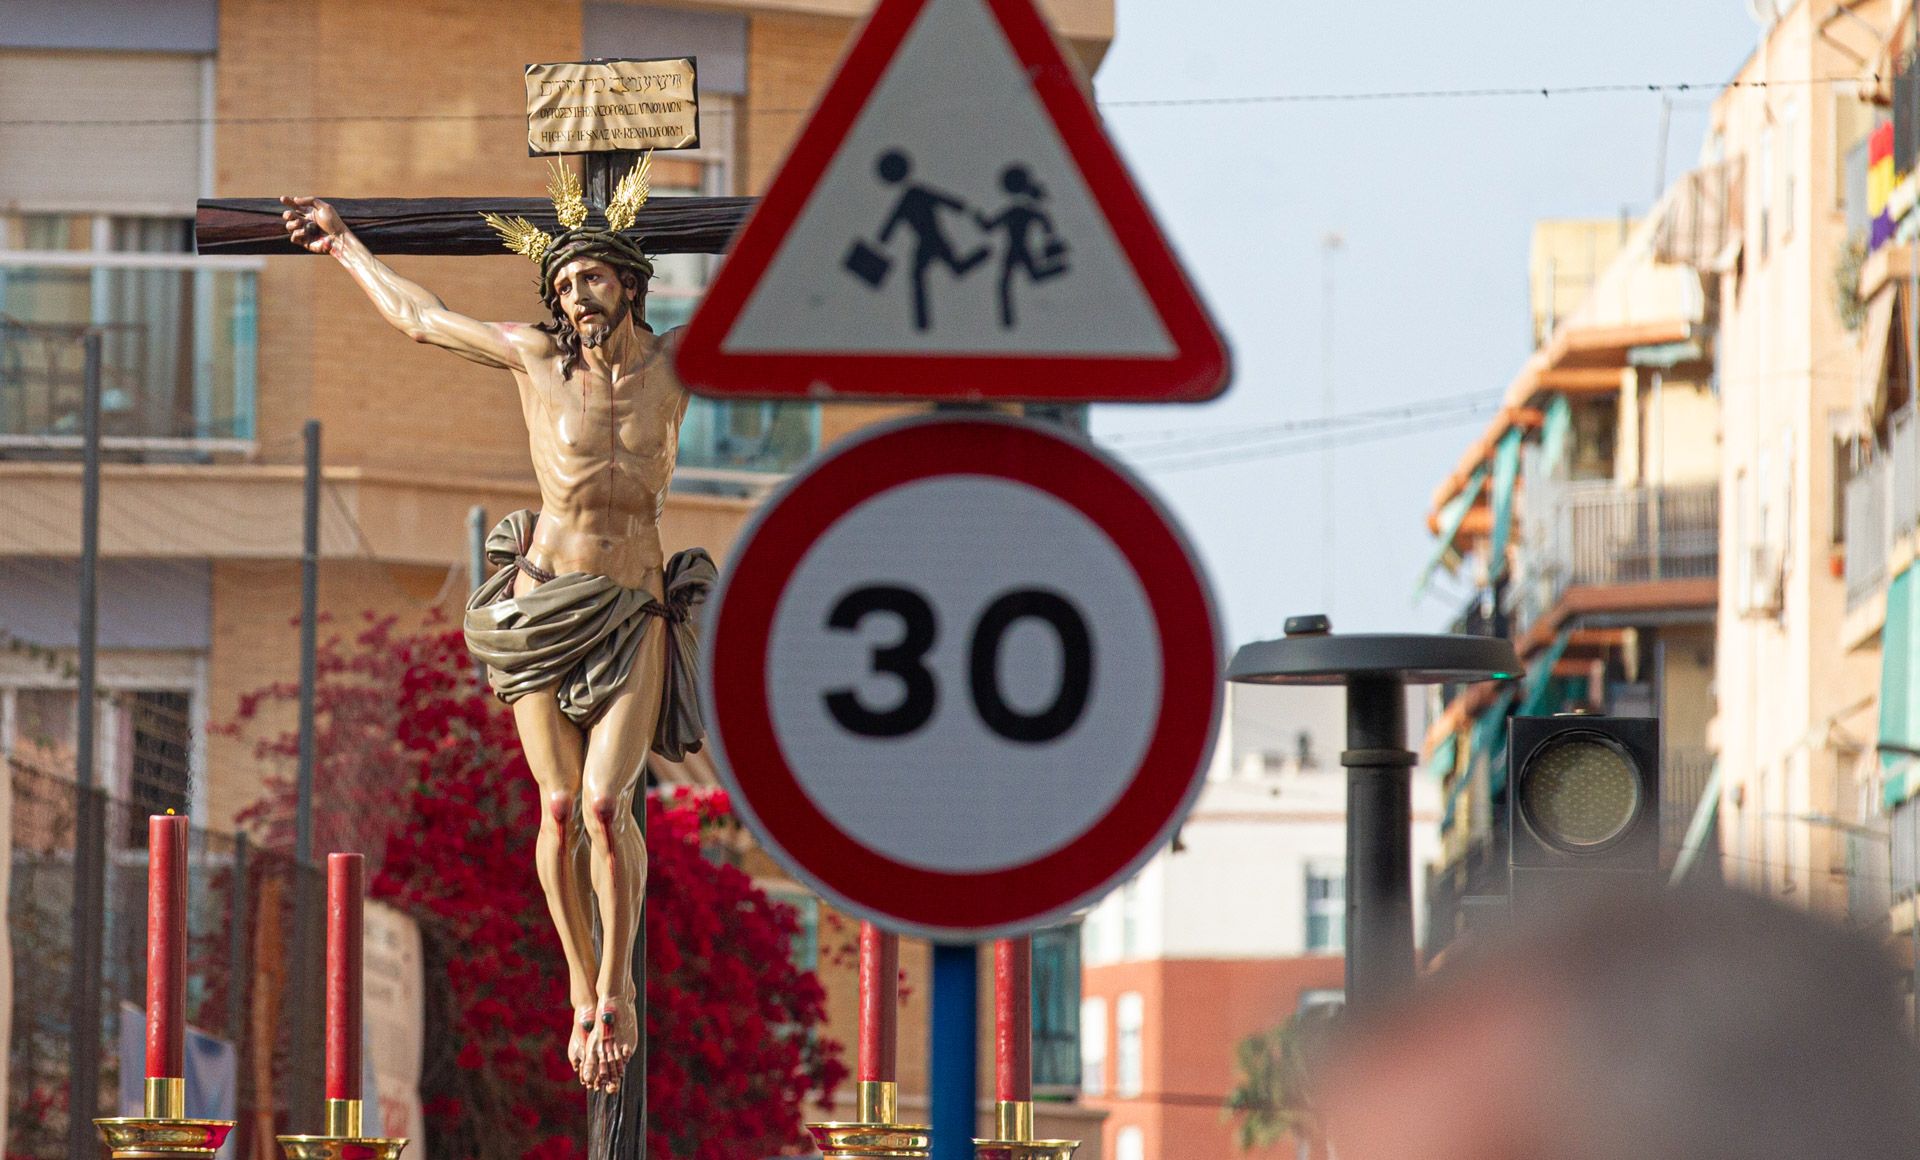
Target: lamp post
{"x": 1376, "y": 670}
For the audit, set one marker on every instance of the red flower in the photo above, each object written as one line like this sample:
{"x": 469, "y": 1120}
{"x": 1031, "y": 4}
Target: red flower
{"x": 420, "y": 769}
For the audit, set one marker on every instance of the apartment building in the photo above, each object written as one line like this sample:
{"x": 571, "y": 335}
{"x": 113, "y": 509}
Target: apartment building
{"x": 1802, "y": 454}
{"x": 1238, "y": 924}
{"x": 1585, "y": 520}
{"x": 1868, "y": 824}
{"x": 113, "y": 122}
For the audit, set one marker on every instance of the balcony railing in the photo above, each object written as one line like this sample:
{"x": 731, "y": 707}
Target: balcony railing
{"x": 1882, "y": 505}
{"x": 1600, "y": 535}
{"x": 178, "y": 351}
{"x": 1869, "y": 530}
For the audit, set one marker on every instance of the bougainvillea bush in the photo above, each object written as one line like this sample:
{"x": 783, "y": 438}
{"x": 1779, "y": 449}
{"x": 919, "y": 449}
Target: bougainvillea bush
{"x": 418, "y": 767}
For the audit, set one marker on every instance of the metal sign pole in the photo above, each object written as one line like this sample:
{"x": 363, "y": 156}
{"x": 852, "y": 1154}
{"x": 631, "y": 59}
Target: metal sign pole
{"x": 89, "y": 861}
{"x": 955, "y": 1049}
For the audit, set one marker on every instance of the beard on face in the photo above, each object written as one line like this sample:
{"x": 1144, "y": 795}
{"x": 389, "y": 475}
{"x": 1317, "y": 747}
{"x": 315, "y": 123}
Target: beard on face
{"x": 592, "y": 338}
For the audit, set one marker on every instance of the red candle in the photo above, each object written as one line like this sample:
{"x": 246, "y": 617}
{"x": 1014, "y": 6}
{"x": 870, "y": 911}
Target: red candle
{"x": 346, "y": 893}
{"x": 166, "y": 946}
{"x": 879, "y": 1002}
{"x": 1013, "y": 1019}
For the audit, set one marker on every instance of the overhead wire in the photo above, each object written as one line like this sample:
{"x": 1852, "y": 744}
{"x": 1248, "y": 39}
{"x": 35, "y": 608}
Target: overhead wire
{"x": 1190, "y": 439}
{"x": 1479, "y": 92}
{"x": 1303, "y": 443}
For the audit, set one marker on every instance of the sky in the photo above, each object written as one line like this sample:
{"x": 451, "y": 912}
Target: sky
{"x": 1434, "y": 202}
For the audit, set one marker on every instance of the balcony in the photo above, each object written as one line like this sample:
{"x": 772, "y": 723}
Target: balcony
{"x": 178, "y": 344}
{"x": 734, "y": 446}
{"x": 1594, "y": 535}
{"x": 1882, "y": 507}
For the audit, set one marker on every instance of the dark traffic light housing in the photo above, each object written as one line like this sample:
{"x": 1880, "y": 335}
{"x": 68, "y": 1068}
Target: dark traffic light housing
{"x": 1583, "y": 806}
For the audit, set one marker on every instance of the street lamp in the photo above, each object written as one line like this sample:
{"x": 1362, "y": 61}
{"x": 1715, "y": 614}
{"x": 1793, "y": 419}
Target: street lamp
{"x": 1376, "y": 670}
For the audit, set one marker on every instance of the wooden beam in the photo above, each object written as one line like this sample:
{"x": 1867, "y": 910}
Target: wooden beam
{"x": 1607, "y": 346}
{"x": 1581, "y": 380}
{"x": 1651, "y": 596}
{"x": 1597, "y": 638}
{"x": 452, "y": 225}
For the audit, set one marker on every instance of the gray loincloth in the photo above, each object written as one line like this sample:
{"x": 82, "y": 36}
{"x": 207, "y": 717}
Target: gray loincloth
{"x": 581, "y": 632}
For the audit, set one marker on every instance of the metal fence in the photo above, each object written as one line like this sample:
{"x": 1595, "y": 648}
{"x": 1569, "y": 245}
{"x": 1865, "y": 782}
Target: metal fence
{"x": 240, "y": 925}
{"x": 1597, "y": 534}
{"x": 1869, "y": 531}
{"x": 1882, "y": 505}
{"x": 1684, "y": 774}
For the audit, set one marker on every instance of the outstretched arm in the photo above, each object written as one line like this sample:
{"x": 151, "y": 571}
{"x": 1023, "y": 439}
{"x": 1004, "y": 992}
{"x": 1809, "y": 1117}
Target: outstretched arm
{"x": 410, "y": 307}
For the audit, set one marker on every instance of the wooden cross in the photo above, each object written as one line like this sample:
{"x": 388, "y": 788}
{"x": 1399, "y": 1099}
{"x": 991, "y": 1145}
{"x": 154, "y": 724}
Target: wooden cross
{"x": 617, "y": 1122}
{"x": 452, "y": 225}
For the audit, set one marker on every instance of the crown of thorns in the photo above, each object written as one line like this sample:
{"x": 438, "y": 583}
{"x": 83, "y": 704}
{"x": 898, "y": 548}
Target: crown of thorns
{"x": 551, "y": 251}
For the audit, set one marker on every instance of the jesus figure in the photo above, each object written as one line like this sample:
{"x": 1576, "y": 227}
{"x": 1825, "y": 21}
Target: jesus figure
{"x": 586, "y": 627}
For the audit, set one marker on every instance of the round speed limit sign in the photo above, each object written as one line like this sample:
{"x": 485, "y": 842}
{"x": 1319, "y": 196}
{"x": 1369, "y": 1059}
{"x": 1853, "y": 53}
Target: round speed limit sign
{"x": 963, "y": 676}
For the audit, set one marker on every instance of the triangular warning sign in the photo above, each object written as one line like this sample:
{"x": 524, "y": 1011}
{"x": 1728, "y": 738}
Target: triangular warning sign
{"x": 953, "y": 224}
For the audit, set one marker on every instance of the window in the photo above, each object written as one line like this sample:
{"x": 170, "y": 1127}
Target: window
{"x": 1326, "y": 909}
{"x": 1763, "y": 191}
{"x": 1847, "y": 454}
{"x": 144, "y": 749}
{"x": 1129, "y": 1019}
{"x": 1130, "y": 1145}
{"x": 1093, "y": 933}
{"x": 159, "y": 752}
{"x": 43, "y": 723}
{"x": 1130, "y": 918}
{"x": 1789, "y": 167}
{"x": 1595, "y": 425}
{"x": 1056, "y": 1007}
{"x": 1093, "y": 1046}
{"x": 177, "y": 331}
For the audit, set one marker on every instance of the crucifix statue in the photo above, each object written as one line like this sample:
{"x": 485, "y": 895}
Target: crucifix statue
{"x": 586, "y": 627}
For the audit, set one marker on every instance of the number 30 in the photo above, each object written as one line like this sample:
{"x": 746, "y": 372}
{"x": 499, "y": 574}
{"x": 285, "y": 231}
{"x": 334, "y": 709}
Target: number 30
{"x": 905, "y": 661}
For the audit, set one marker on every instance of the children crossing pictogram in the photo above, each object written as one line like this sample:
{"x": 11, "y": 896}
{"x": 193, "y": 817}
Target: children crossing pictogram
{"x": 919, "y": 210}
{"x": 953, "y": 223}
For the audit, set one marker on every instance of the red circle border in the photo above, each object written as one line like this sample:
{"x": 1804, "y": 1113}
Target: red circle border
{"x": 1162, "y": 783}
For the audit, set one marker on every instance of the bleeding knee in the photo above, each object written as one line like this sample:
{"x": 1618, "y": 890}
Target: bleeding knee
{"x": 604, "y": 811}
{"x": 560, "y": 808}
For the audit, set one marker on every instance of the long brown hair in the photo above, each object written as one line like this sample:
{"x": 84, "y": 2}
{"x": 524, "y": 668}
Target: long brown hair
{"x": 565, "y": 336}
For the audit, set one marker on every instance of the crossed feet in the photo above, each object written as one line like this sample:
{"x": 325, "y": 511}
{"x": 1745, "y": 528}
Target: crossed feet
{"x": 603, "y": 1039}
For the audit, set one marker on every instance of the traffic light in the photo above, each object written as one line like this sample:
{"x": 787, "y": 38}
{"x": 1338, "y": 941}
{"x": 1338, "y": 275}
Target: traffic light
{"x": 1583, "y": 807}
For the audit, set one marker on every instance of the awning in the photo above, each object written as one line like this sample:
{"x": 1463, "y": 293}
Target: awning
{"x": 1451, "y": 517}
{"x": 1899, "y": 733}
{"x": 1553, "y": 434}
{"x": 1877, "y": 332}
{"x": 1490, "y": 740}
{"x": 1535, "y": 692}
{"x": 1440, "y": 766}
{"x": 1486, "y": 754}
{"x": 1506, "y": 473}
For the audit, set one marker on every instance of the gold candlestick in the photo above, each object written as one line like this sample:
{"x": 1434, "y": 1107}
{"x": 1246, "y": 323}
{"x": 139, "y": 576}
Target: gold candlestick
{"x": 343, "y": 1139}
{"x": 1013, "y": 1124}
{"x": 874, "y": 1135}
{"x": 165, "y": 1132}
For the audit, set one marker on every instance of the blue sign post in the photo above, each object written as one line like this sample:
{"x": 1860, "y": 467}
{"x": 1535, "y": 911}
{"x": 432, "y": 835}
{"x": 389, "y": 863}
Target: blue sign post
{"x": 955, "y": 1048}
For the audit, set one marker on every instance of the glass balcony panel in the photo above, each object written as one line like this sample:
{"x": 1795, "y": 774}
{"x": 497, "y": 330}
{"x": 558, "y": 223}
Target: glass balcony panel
{"x": 177, "y": 346}
{"x": 735, "y": 437}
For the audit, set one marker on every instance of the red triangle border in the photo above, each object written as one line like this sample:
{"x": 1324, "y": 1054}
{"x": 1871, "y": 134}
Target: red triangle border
{"x": 1198, "y": 370}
